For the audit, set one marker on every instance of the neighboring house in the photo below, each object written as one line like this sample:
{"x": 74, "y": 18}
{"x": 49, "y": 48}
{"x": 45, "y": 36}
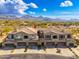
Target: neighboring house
{"x": 55, "y": 36}
{"x": 21, "y": 37}
{"x": 39, "y": 36}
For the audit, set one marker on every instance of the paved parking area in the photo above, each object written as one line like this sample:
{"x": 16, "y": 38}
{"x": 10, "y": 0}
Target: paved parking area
{"x": 18, "y": 51}
{"x": 51, "y": 51}
{"x": 5, "y": 52}
{"x": 63, "y": 52}
{"x": 66, "y": 52}
{"x": 76, "y": 51}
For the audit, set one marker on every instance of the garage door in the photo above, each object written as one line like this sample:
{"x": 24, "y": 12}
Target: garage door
{"x": 50, "y": 44}
{"x": 9, "y": 45}
{"x": 62, "y": 44}
{"x": 33, "y": 45}
{"x": 21, "y": 44}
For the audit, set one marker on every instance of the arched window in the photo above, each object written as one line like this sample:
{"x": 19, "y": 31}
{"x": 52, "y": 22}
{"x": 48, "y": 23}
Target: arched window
{"x": 25, "y": 37}
{"x": 11, "y": 36}
{"x": 61, "y": 37}
{"x": 54, "y": 36}
{"x": 68, "y": 36}
{"x": 48, "y": 36}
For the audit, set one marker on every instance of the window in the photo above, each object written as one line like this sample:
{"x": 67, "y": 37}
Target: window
{"x": 25, "y": 37}
{"x": 19, "y": 36}
{"x": 61, "y": 37}
{"x": 55, "y": 37}
{"x": 48, "y": 36}
{"x": 32, "y": 36}
{"x": 10, "y": 36}
{"x": 68, "y": 36}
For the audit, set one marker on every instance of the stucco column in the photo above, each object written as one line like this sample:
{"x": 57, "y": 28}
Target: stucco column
{"x": 44, "y": 43}
{"x": 51, "y": 37}
{"x": 66, "y": 37}
{"x": 57, "y": 40}
{"x": 39, "y": 43}
{"x": 66, "y": 40}
{"x": 27, "y": 43}
{"x": 58, "y": 36}
{"x": 56, "y": 43}
{"x": 15, "y": 43}
{"x": 3, "y": 44}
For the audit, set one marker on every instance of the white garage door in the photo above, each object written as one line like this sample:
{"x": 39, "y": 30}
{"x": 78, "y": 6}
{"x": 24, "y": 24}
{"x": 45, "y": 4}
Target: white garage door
{"x": 50, "y": 44}
{"x": 33, "y": 45}
{"x": 62, "y": 44}
{"x": 21, "y": 44}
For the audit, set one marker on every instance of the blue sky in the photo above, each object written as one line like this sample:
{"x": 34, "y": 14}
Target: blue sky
{"x": 49, "y": 8}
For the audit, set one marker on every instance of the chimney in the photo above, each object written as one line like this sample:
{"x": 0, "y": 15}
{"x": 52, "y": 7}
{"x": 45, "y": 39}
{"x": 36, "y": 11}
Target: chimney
{"x": 40, "y": 34}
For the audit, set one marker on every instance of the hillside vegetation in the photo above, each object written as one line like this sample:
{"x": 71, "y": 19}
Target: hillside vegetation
{"x": 30, "y": 23}
{"x": 9, "y": 25}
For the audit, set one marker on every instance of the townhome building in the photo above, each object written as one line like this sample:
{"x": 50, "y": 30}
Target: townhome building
{"x": 47, "y": 37}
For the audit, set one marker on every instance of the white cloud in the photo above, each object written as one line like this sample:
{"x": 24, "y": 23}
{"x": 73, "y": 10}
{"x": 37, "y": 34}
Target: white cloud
{"x": 33, "y": 5}
{"x": 31, "y": 12}
{"x": 21, "y": 11}
{"x": 15, "y": 6}
{"x": 21, "y": 6}
{"x": 2, "y": 1}
{"x": 66, "y": 3}
{"x": 44, "y": 9}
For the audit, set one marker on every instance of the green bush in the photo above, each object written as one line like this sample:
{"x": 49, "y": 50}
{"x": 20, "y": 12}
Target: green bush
{"x": 1, "y": 45}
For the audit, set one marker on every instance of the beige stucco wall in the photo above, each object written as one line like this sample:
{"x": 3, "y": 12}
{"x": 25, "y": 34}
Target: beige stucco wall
{"x": 22, "y": 34}
{"x": 34, "y": 38}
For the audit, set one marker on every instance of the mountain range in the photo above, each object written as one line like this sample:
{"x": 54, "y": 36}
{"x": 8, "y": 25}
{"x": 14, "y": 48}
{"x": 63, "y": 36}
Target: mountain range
{"x": 40, "y": 18}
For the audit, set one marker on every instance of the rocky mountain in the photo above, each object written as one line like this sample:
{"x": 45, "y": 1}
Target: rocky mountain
{"x": 28, "y": 17}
